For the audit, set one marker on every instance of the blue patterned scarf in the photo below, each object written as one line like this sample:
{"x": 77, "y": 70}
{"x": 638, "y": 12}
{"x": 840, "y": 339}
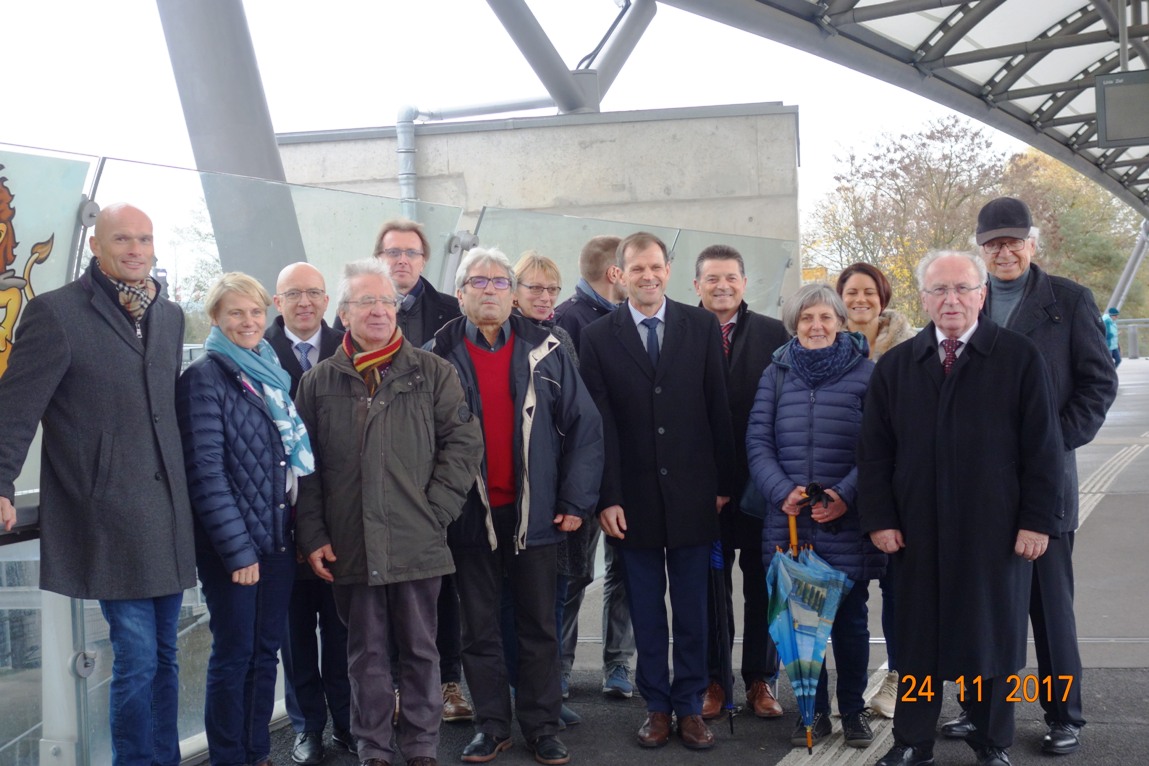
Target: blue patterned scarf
{"x": 817, "y": 365}
{"x": 261, "y": 365}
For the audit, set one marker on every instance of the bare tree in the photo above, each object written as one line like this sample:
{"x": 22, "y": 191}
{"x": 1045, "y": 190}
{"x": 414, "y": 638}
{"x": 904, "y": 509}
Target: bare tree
{"x": 906, "y": 195}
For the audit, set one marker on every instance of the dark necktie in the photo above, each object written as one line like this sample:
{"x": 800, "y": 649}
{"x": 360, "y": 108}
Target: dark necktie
{"x": 304, "y": 360}
{"x": 727, "y": 332}
{"x": 652, "y": 339}
{"x": 950, "y": 346}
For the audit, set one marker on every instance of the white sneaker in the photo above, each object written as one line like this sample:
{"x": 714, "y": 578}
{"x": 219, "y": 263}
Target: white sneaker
{"x": 886, "y": 697}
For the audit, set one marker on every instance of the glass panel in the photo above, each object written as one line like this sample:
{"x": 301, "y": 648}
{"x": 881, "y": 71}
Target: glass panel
{"x": 20, "y": 665}
{"x": 194, "y": 648}
{"x": 333, "y": 226}
{"x": 766, "y": 264}
{"x": 561, "y": 238}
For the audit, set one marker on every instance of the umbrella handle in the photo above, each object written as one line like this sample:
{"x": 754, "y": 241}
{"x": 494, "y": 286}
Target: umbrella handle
{"x": 793, "y": 536}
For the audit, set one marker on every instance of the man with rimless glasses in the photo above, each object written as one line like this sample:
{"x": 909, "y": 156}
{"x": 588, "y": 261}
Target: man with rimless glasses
{"x": 538, "y": 481}
{"x": 1060, "y": 317}
{"x": 959, "y": 479}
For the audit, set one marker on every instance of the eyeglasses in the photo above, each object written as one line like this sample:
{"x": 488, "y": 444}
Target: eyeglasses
{"x": 395, "y": 252}
{"x": 1013, "y": 245}
{"x": 960, "y": 291}
{"x": 538, "y": 290}
{"x": 368, "y": 302}
{"x": 480, "y": 283}
{"x": 292, "y": 296}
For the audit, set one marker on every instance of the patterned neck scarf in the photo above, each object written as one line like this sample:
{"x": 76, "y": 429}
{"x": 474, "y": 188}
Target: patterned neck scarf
{"x": 262, "y": 366}
{"x": 373, "y": 365}
{"x": 817, "y": 365}
{"x": 134, "y": 299}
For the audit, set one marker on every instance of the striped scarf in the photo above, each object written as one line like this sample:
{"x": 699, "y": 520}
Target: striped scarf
{"x": 373, "y": 365}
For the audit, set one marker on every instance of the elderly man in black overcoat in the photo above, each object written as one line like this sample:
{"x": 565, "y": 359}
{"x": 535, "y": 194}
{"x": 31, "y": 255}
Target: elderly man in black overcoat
{"x": 1060, "y": 317}
{"x": 656, "y": 370}
{"x": 959, "y": 476}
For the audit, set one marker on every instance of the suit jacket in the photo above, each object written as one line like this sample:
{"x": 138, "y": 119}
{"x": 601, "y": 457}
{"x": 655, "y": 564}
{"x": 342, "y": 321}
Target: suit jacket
{"x": 669, "y": 441}
{"x": 276, "y": 335}
{"x": 435, "y": 309}
{"x": 1060, "y": 317}
{"x": 115, "y": 521}
{"x": 756, "y": 338}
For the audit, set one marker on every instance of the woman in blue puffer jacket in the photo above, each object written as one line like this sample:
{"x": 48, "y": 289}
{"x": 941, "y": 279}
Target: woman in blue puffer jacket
{"x": 803, "y": 429}
{"x": 244, "y": 448}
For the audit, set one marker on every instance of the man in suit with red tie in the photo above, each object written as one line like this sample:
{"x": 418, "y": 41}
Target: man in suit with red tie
{"x": 656, "y": 370}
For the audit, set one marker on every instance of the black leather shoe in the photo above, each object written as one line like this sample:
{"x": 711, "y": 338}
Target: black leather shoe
{"x": 549, "y": 750}
{"x": 308, "y": 748}
{"x": 959, "y": 728}
{"x": 992, "y": 756}
{"x": 1062, "y": 739}
{"x": 903, "y": 755}
{"x": 344, "y": 739}
{"x": 484, "y": 747}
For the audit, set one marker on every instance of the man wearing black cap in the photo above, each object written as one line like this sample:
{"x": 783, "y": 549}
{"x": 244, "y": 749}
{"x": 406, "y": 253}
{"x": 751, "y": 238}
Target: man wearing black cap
{"x": 1061, "y": 317}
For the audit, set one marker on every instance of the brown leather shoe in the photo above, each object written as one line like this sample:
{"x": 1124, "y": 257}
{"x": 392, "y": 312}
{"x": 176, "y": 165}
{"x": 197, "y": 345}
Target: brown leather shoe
{"x": 760, "y": 698}
{"x": 694, "y": 732}
{"x": 455, "y": 707}
{"x": 655, "y": 731}
{"x": 712, "y": 701}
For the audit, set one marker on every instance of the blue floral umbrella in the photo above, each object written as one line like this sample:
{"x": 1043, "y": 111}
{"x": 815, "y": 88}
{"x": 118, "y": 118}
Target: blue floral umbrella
{"x": 804, "y": 594}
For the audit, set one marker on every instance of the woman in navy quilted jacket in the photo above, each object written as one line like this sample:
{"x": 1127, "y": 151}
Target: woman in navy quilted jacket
{"x": 803, "y": 429}
{"x": 245, "y": 449}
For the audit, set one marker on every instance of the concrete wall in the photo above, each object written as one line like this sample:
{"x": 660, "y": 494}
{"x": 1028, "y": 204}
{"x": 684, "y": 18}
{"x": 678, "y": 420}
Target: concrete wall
{"x": 729, "y": 169}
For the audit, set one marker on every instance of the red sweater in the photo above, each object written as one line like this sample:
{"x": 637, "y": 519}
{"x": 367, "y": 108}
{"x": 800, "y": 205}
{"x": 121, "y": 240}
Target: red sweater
{"x": 493, "y": 375}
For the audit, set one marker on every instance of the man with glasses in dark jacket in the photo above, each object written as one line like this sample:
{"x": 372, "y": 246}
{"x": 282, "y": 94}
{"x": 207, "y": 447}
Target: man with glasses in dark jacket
{"x": 539, "y": 480}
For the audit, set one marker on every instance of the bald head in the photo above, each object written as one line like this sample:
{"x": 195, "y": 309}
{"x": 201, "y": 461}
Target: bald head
{"x": 123, "y": 243}
{"x": 301, "y": 298}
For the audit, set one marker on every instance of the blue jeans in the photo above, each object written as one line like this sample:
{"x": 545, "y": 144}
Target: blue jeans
{"x": 850, "y": 639}
{"x": 247, "y": 627}
{"x": 144, "y": 693}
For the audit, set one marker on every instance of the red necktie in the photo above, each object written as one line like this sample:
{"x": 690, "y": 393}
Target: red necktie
{"x": 727, "y": 331}
{"x": 950, "y": 346}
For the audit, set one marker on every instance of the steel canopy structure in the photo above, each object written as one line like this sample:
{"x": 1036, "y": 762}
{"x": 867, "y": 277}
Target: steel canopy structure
{"x": 1025, "y": 67}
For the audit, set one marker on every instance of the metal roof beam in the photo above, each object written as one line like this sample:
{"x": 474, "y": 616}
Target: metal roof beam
{"x": 769, "y": 20}
{"x": 540, "y": 53}
{"x": 887, "y": 10}
{"x": 1115, "y": 26}
{"x": 968, "y": 17}
{"x": 1020, "y": 49}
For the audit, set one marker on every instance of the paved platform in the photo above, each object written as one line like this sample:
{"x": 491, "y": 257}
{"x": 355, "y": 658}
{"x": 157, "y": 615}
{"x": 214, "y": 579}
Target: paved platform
{"x": 1112, "y": 568}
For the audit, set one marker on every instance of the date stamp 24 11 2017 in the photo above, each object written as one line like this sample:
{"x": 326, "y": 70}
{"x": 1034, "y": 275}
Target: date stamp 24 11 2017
{"x": 1027, "y": 688}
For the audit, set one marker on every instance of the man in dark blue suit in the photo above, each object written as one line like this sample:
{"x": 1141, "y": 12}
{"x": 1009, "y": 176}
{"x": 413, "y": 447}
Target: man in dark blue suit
{"x": 316, "y": 678}
{"x": 656, "y": 370}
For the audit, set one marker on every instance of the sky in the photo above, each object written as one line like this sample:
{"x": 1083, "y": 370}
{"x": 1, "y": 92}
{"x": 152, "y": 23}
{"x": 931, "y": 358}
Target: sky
{"x": 95, "y": 78}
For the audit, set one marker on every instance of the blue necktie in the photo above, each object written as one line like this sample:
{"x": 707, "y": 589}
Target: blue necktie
{"x": 652, "y": 339}
{"x": 304, "y": 360}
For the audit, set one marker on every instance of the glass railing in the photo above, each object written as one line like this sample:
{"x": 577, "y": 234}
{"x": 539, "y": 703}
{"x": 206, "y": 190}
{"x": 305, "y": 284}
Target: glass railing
{"x": 561, "y": 238}
{"x": 205, "y": 223}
